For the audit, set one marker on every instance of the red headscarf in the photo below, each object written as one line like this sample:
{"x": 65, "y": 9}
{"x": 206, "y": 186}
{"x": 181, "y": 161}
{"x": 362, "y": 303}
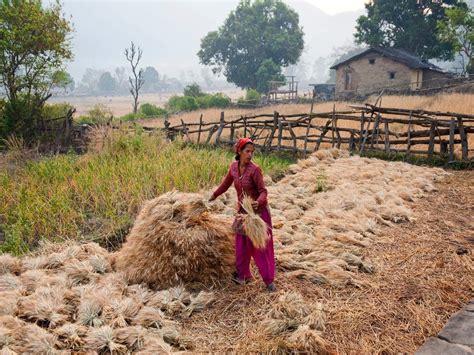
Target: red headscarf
{"x": 241, "y": 143}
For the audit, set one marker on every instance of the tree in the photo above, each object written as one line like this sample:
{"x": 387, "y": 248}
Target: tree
{"x": 406, "y": 24}
{"x": 193, "y": 90}
{"x": 457, "y": 29}
{"x": 255, "y": 33}
{"x": 267, "y": 71}
{"x": 134, "y": 55}
{"x": 151, "y": 78}
{"x": 121, "y": 77}
{"x": 90, "y": 79}
{"x": 107, "y": 83}
{"x": 34, "y": 45}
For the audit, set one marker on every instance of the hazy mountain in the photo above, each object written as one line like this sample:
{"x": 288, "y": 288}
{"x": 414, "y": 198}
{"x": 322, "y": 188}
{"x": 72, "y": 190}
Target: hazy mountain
{"x": 169, "y": 32}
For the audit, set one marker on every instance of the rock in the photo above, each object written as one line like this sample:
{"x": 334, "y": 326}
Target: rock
{"x": 459, "y": 329}
{"x": 434, "y": 346}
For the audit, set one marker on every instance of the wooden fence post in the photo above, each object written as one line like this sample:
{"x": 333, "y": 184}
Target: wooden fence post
{"x": 245, "y": 127}
{"x": 323, "y": 133}
{"x": 280, "y": 132}
{"x": 211, "y": 132}
{"x": 407, "y": 155}
{"x": 386, "y": 137}
{"x": 185, "y": 131}
{"x": 333, "y": 124}
{"x": 293, "y": 136}
{"x": 221, "y": 127}
{"x": 432, "y": 138}
{"x": 464, "y": 141}
{"x": 451, "y": 139}
{"x": 200, "y": 129}
{"x": 361, "y": 133}
{"x": 306, "y": 137}
{"x": 375, "y": 131}
{"x": 268, "y": 144}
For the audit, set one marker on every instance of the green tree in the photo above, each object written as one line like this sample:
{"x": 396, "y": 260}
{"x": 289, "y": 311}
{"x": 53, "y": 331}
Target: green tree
{"x": 457, "y": 29}
{"x": 407, "y": 24}
{"x": 256, "y": 31}
{"x": 107, "y": 83}
{"x": 34, "y": 45}
{"x": 268, "y": 71}
{"x": 193, "y": 90}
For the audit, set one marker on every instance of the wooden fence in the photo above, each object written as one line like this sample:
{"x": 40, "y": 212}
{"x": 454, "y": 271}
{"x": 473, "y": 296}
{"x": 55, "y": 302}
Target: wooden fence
{"x": 360, "y": 129}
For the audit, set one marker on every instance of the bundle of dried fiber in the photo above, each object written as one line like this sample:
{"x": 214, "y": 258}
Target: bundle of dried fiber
{"x": 90, "y": 310}
{"x": 254, "y": 226}
{"x": 133, "y": 337}
{"x": 155, "y": 344}
{"x": 306, "y": 340}
{"x": 8, "y": 301}
{"x": 176, "y": 240}
{"x": 199, "y": 302}
{"x": 10, "y": 264}
{"x": 7, "y": 351}
{"x": 171, "y": 335}
{"x": 99, "y": 264}
{"x": 46, "y": 306}
{"x": 79, "y": 273}
{"x": 149, "y": 317}
{"x": 119, "y": 313}
{"x": 10, "y": 282}
{"x": 103, "y": 339}
{"x": 32, "y": 339}
{"x": 291, "y": 311}
{"x": 71, "y": 336}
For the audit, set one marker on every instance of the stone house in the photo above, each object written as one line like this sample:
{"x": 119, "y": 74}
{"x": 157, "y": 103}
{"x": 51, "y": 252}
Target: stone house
{"x": 380, "y": 68}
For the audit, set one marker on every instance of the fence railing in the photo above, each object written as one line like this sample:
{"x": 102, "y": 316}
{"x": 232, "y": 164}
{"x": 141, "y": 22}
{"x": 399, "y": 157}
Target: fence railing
{"x": 360, "y": 129}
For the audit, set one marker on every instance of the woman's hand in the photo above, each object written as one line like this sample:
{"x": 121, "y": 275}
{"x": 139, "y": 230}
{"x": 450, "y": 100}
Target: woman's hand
{"x": 255, "y": 205}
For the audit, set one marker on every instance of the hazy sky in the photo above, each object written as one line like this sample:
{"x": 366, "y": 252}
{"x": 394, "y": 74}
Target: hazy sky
{"x": 328, "y": 6}
{"x": 337, "y": 6}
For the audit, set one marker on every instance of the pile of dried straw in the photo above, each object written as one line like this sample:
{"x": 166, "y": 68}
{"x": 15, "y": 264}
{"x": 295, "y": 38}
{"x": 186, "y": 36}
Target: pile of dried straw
{"x": 70, "y": 299}
{"x": 176, "y": 239}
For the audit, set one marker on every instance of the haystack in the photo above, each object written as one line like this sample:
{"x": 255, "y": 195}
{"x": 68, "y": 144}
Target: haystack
{"x": 176, "y": 239}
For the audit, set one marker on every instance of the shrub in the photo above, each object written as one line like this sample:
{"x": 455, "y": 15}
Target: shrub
{"x": 193, "y": 90}
{"x": 150, "y": 110}
{"x": 99, "y": 114}
{"x": 52, "y": 111}
{"x": 132, "y": 116}
{"x": 252, "y": 97}
{"x": 182, "y": 103}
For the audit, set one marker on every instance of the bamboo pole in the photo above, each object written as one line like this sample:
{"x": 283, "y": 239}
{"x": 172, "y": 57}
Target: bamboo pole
{"x": 386, "y": 137}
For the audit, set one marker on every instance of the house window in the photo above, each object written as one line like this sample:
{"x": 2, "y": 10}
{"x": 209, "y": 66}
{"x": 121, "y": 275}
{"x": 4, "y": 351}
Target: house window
{"x": 391, "y": 75}
{"x": 371, "y": 61}
{"x": 348, "y": 81}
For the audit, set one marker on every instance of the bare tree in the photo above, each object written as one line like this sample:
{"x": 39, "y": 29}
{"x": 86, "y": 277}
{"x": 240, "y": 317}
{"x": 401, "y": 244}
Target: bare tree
{"x": 133, "y": 55}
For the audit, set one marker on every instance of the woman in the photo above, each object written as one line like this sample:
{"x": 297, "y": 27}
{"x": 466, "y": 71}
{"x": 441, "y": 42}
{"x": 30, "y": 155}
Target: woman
{"x": 248, "y": 180}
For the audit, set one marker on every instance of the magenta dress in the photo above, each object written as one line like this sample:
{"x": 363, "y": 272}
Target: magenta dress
{"x": 251, "y": 183}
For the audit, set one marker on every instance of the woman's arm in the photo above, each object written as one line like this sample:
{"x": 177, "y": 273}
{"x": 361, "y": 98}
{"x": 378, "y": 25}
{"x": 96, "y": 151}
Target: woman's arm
{"x": 224, "y": 186}
{"x": 262, "y": 190}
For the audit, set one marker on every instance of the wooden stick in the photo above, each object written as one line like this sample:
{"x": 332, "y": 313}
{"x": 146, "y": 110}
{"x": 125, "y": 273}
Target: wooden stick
{"x": 408, "y": 139}
{"x": 464, "y": 140}
{"x": 386, "y": 137}
{"x": 451, "y": 140}
{"x": 323, "y": 133}
{"x": 432, "y": 139}
{"x": 306, "y": 136}
{"x": 200, "y": 127}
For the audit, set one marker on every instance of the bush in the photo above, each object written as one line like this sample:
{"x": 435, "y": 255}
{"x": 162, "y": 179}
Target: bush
{"x": 188, "y": 103}
{"x": 132, "y": 116}
{"x": 252, "y": 97}
{"x": 99, "y": 114}
{"x": 52, "y": 111}
{"x": 150, "y": 110}
{"x": 182, "y": 103}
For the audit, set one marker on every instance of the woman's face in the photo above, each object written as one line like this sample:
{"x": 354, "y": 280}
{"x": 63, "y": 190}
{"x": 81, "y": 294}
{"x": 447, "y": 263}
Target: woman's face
{"x": 246, "y": 153}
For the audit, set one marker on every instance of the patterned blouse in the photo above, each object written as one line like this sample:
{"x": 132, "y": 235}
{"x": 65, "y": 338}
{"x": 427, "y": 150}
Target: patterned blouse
{"x": 250, "y": 183}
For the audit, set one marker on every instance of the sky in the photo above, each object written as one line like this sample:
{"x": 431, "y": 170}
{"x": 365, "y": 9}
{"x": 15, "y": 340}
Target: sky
{"x": 337, "y": 6}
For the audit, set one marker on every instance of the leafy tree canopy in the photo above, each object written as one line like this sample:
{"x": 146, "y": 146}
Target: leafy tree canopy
{"x": 407, "y": 24}
{"x": 34, "y": 44}
{"x": 257, "y": 33}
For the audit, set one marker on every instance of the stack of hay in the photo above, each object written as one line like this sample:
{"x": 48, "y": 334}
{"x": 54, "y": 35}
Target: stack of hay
{"x": 71, "y": 300}
{"x": 176, "y": 239}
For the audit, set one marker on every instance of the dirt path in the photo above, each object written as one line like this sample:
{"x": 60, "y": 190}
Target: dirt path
{"x": 424, "y": 273}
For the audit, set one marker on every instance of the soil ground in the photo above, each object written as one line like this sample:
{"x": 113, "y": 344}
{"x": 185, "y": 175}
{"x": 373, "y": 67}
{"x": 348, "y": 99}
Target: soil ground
{"x": 425, "y": 273}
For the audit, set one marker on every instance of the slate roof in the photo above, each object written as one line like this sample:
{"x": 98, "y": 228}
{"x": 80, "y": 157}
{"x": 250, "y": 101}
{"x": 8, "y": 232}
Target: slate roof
{"x": 398, "y": 55}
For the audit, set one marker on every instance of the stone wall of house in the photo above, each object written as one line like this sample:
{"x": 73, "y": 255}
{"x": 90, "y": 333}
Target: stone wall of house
{"x": 368, "y": 78}
{"x": 434, "y": 79}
